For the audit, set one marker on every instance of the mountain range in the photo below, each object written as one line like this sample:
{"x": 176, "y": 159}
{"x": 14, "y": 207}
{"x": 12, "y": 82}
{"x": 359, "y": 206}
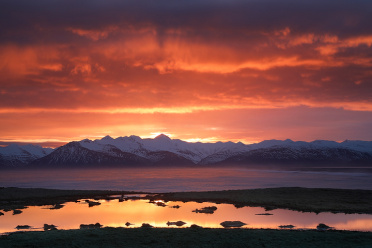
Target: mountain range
{"x": 160, "y": 151}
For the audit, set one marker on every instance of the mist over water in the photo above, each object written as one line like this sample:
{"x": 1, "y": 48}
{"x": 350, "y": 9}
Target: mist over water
{"x": 184, "y": 179}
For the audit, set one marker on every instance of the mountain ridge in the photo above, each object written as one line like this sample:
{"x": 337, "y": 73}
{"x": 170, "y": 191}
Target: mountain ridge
{"x": 162, "y": 150}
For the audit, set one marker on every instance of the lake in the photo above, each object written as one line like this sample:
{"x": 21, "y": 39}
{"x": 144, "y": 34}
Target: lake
{"x": 186, "y": 179}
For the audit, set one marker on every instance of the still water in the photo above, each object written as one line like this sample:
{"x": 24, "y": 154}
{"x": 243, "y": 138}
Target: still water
{"x": 185, "y": 179}
{"x": 115, "y": 214}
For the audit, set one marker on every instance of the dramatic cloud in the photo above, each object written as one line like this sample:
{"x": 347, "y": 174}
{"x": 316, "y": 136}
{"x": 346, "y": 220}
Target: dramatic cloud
{"x": 133, "y": 61}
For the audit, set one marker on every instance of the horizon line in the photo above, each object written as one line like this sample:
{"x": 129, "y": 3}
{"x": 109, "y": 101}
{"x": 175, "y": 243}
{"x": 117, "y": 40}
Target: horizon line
{"x": 58, "y": 143}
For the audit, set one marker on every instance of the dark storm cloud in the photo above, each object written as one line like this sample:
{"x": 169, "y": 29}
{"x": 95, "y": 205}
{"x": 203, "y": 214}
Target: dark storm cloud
{"x": 23, "y": 21}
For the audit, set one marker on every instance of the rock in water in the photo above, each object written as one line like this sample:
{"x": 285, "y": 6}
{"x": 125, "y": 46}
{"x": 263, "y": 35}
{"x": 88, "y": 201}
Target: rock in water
{"x": 194, "y": 226}
{"x": 286, "y": 226}
{"x": 323, "y": 227}
{"x": 90, "y": 226}
{"x": 57, "y": 206}
{"x": 146, "y": 225}
{"x": 228, "y": 224}
{"x": 49, "y": 227}
{"x": 206, "y": 210}
{"x": 175, "y": 206}
{"x": 23, "y": 227}
{"x": 176, "y": 223}
{"x": 93, "y": 203}
{"x": 17, "y": 211}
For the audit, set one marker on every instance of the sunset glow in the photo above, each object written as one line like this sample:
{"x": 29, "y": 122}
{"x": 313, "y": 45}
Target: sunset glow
{"x": 195, "y": 70}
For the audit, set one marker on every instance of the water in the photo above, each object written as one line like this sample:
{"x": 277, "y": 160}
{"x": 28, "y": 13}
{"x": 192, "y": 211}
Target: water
{"x": 185, "y": 179}
{"x": 115, "y": 214}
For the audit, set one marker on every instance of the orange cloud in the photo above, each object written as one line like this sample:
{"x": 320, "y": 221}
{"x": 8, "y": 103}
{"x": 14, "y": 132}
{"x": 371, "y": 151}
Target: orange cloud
{"x": 337, "y": 44}
{"x": 18, "y": 61}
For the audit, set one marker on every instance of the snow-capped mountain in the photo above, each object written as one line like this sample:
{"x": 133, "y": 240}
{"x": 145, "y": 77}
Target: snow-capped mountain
{"x": 16, "y": 155}
{"x": 300, "y": 156}
{"x": 144, "y": 147}
{"x": 271, "y": 151}
{"x": 74, "y": 154}
{"x": 135, "y": 151}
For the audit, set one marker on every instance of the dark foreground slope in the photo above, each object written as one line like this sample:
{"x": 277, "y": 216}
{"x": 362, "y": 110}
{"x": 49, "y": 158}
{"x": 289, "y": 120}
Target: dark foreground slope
{"x": 186, "y": 237}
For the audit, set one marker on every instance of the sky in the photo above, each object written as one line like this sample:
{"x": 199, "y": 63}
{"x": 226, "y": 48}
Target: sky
{"x": 195, "y": 70}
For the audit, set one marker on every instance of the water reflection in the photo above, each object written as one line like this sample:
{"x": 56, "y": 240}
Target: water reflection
{"x": 121, "y": 214}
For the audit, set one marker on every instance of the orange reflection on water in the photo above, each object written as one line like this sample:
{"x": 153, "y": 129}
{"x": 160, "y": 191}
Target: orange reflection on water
{"x": 116, "y": 214}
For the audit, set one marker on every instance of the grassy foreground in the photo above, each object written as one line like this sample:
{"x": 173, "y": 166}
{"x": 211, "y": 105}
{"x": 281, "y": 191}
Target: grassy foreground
{"x": 186, "y": 237}
{"x": 300, "y": 199}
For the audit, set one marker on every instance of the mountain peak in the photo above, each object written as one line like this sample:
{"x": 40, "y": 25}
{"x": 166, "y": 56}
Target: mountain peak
{"x": 162, "y": 137}
{"x": 107, "y": 137}
{"x": 135, "y": 138}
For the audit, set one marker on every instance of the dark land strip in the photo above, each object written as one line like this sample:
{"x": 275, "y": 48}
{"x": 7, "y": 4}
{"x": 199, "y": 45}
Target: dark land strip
{"x": 187, "y": 237}
{"x": 300, "y": 199}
